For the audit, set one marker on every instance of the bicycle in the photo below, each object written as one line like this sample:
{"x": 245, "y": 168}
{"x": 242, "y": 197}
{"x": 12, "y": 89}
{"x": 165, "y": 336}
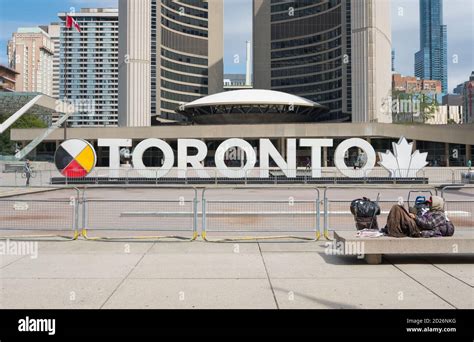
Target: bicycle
{"x": 32, "y": 174}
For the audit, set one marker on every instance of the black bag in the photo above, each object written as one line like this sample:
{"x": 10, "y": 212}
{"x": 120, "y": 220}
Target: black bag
{"x": 364, "y": 207}
{"x": 366, "y": 223}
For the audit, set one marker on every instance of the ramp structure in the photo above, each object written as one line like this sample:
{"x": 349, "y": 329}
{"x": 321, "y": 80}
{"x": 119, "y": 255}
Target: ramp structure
{"x": 37, "y": 104}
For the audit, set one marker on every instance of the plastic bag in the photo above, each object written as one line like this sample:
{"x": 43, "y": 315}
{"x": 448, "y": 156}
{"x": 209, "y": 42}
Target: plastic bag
{"x": 364, "y": 207}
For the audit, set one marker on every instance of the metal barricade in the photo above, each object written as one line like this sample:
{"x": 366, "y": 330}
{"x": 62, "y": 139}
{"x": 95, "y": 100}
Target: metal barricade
{"x": 246, "y": 217}
{"x": 116, "y": 216}
{"x": 460, "y": 209}
{"x": 336, "y": 212}
{"x": 157, "y": 176}
{"x": 49, "y": 218}
{"x": 339, "y": 215}
{"x": 460, "y": 212}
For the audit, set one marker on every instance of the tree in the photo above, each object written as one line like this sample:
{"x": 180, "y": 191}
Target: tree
{"x": 410, "y": 105}
{"x": 26, "y": 121}
{"x": 428, "y": 107}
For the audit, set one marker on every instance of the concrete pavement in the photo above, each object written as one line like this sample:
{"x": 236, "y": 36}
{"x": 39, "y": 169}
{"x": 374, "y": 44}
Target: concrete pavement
{"x": 89, "y": 274}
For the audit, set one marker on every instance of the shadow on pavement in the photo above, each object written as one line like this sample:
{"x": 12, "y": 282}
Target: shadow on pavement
{"x": 328, "y": 303}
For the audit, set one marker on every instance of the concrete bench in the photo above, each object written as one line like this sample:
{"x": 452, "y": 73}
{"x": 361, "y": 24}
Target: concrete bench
{"x": 373, "y": 248}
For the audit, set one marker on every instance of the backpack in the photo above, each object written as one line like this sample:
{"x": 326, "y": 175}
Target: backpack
{"x": 364, "y": 207}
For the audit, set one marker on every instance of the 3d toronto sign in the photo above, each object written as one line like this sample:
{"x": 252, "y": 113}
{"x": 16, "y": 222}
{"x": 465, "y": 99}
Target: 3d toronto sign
{"x": 76, "y": 157}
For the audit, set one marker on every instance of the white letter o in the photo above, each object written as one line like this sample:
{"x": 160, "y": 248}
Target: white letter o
{"x": 249, "y": 152}
{"x": 168, "y": 157}
{"x": 341, "y": 164}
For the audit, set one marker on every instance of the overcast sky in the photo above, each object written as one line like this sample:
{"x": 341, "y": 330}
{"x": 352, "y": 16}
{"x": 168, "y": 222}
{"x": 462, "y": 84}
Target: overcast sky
{"x": 458, "y": 16}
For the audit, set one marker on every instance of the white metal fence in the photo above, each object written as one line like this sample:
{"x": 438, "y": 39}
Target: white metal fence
{"x": 241, "y": 213}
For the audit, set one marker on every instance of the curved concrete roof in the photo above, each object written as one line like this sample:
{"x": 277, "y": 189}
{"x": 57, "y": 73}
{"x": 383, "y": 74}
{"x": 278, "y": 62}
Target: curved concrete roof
{"x": 252, "y": 97}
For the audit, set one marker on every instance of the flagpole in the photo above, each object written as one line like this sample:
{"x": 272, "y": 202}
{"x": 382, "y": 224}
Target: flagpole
{"x": 65, "y": 74}
{"x": 65, "y": 71}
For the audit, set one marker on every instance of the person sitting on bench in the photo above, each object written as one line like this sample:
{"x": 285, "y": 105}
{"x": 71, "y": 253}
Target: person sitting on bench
{"x": 425, "y": 223}
{"x": 433, "y": 222}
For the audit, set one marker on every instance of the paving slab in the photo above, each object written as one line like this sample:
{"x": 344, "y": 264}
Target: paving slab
{"x": 464, "y": 272}
{"x": 457, "y": 293}
{"x": 200, "y": 265}
{"x": 292, "y": 246}
{"x": 8, "y": 259}
{"x": 72, "y": 293}
{"x": 193, "y": 294}
{"x": 215, "y": 275}
{"x": 204, "y": 247}
{"x": 72, "y": 266}
{"x": 93, "y": 247}
{"x": 319, "y": 265}
{"x": 355, "y": 293}
{"x": 458, "y": 266}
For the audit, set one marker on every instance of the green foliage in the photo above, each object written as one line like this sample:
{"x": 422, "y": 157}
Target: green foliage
{"x": 26, "y": 121}
{"x": 451, "y": 121}
{"x": 426, "y": 105}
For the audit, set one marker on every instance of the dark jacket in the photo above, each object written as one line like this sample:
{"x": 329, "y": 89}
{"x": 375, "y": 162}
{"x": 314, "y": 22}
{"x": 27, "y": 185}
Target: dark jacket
{"x": 434, "y": 223}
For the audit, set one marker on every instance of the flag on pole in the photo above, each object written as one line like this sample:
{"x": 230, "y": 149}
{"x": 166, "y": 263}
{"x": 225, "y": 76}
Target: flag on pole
{"x": 70, "y": 22}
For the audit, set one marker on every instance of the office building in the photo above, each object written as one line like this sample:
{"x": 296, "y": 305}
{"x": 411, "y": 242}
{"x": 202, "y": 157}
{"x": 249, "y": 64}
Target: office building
{"x": 459, "y": 89}
{"x": 452, "y": 100}
{"x": 179, "y": 44}
{"x": 431, "y": 61}
{"x": 468, "y": 99}
{"x": 325, "y": 51}
{"x": 235, "y": 82}
{"x": 54, "y": 30}
{"x": 413, "y": 85}
{"x": 30, "y": 53}
{"x": 7, "y": 79}
{"x": 89, "y": 68}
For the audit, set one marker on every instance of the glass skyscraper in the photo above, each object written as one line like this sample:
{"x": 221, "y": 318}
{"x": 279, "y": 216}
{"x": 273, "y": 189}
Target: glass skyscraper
{"x": 431, "y": 62}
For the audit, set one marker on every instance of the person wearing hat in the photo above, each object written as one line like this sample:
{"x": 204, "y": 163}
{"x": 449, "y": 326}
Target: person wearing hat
{"x": 433, "y": 222}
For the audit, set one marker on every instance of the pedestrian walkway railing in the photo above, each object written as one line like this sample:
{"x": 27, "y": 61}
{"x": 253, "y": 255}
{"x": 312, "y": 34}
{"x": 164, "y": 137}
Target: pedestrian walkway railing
{"x": 230, "y": 214}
